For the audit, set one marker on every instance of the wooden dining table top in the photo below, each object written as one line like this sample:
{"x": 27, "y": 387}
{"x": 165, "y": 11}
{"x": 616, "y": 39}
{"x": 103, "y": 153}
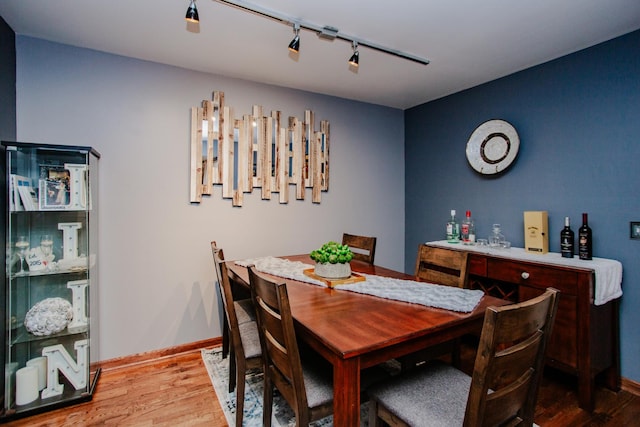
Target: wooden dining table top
{"x": 351, "y": 324}
{"x": 355, "y": 331}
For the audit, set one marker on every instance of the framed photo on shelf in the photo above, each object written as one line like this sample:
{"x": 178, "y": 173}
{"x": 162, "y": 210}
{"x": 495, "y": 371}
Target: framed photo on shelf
{"x": 63, "y": 187}
{"x": 54, "y": 187}
{"x": 54, "y": 195}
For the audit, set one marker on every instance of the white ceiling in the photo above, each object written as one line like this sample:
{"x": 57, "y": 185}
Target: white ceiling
{"x": 468, "y": 42}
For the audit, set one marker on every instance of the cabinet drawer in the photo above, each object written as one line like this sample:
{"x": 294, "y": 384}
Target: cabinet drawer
{"x": 520, "y": 273}
{"x": 477, "y": 265}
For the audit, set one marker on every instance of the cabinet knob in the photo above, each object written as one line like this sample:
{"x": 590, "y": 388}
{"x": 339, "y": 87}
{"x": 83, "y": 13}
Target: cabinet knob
{"x": 525, "y": 275}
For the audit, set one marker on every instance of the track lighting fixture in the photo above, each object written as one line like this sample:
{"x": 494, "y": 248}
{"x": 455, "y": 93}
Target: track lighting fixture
{"x": 325, "y": 32}
{"x": 294, "y": 46}
{"x": 192, "y": 13}
{"x": 355, "y": 58}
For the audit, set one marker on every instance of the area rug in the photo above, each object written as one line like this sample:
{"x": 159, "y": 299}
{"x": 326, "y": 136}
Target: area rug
{"x": 282, "y": 415}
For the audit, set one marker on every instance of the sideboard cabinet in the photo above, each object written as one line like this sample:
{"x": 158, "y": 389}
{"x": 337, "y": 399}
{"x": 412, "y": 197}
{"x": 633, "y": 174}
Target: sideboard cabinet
{"x": 585, "y": 339}
{"x": 49, "y": 297}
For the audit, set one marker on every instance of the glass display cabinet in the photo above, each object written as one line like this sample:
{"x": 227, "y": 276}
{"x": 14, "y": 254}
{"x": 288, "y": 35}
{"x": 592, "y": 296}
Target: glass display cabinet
{"x": 51, "y": 277}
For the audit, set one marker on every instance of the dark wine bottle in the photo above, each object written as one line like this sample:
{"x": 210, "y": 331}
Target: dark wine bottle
{"x": 585, "y": 239}
{"x": 567, "y": 238}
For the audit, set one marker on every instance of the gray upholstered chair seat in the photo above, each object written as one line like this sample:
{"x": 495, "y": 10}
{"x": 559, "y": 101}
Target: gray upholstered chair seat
{"x": 318, "y": 386}
{"x": 245, "y": 311}
{"x": 250, "y": 339}
{"x": 435, "y": 395}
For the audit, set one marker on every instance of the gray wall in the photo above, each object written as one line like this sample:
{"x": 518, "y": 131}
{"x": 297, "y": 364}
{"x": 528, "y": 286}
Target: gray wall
{"x": 577, "y": 118}
{"x": 156, "y": 270}
{"x": 7, "y": 82}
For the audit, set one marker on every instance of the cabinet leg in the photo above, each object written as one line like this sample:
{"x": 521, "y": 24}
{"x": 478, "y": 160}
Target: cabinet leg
{"x": 612, "y": 374}
{"x": 586, "y": 387}
{"x": 612, "y": 378}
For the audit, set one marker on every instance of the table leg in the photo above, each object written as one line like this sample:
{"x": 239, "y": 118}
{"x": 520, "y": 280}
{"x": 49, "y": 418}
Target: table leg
{"x": 346, "y": 393}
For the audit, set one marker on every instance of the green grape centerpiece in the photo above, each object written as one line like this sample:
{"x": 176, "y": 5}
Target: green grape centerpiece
{"x": 332, "y": 260}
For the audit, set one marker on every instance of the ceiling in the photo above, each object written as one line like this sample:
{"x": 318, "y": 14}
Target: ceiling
{"x": 468, "y": 42}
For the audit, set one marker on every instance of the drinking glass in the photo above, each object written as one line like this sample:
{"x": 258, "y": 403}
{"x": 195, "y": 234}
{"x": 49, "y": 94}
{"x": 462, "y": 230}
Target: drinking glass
{"x": 22, "y": 246}
{"x": 46, "y": 246}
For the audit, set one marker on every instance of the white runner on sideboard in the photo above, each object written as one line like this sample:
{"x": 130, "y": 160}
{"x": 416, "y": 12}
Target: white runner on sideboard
{"x": 608, "y": 272}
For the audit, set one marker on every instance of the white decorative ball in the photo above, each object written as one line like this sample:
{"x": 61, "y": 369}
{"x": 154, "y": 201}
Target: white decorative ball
{"x": 49, "y": 316}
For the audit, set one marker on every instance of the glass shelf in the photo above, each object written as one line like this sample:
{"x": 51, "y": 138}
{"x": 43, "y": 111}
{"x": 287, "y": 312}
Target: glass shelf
{"x": 29, "y": 274}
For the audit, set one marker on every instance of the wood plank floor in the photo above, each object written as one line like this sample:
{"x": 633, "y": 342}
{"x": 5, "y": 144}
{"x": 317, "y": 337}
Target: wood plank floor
{"x": 176, "y": 391}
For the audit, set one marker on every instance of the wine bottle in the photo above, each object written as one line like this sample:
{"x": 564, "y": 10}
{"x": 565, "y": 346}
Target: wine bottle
{"x": 467, "y": 230}
{"x": 566, "y": 239}
{"x": 585, "y": 239}
{"x": 453, "y": 228}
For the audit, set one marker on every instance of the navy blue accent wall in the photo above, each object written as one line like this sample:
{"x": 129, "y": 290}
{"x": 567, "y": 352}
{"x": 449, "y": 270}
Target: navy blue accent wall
{"x": 578, "y": 119}
{"x": 7, "y": 82}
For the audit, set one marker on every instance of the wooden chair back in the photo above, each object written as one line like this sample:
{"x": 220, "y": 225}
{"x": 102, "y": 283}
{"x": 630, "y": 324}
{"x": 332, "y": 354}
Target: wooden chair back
{"x": 442, "y": 266}
{"x": 281, "y": 355}
{"x": 509, "y": 362}
{"x": 363, "y": 247}
{"x": 227, "y": 299}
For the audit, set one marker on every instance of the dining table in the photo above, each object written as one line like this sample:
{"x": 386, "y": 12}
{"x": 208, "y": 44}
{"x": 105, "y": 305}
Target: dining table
{"x": 354, "y": 331}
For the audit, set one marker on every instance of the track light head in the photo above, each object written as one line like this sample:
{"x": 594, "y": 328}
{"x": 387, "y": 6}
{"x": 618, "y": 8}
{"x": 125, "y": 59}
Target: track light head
{"x": 192, "y": 13}
{"x": 294, "y": 46}
{"x": 355, "y": 58}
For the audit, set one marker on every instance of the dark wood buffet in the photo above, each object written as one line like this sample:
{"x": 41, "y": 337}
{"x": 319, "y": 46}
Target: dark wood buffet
{"x": 585, "y": 339}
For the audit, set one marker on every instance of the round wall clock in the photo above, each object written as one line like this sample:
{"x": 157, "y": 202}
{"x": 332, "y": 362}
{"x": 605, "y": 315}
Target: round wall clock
{"x": 492, "y": 147}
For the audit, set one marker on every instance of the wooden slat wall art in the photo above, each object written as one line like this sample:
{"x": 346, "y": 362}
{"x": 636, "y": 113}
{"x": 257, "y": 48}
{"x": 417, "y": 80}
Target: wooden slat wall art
{"x": 196, "y": 155}
{"x": 256, "y": 151}
{"x": 324, "y": 129}
{"x": 218, "y": 104}
{"x": 298, "y": 154}
{"x": 256, "y": 167}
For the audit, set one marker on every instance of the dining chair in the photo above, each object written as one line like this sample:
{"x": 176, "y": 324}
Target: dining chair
{"x": 365, "y": 247}
{"x": 307, "y": 391}
{"x": 503, "y": 387}
{"x": 245, "y": 351}
{"x": 442, "y": 266}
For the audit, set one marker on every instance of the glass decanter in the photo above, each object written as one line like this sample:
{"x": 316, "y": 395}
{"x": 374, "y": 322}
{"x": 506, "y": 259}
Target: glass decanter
{"x": 496, "y": 239}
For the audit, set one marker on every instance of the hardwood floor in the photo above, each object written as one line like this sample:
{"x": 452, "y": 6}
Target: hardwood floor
{"x": 174, "y": 390}
{"x": 168, "y": 391}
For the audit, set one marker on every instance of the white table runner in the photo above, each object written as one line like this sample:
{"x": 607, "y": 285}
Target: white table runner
{"x": 427, "y": 294}
{"x": 608, "y": 272}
